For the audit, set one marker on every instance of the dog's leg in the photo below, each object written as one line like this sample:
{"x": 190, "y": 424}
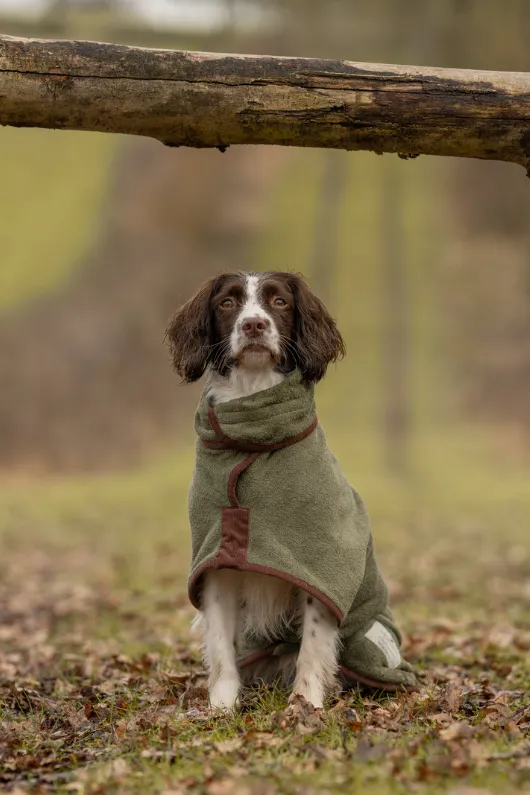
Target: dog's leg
{"x": 220, "y": 606}
{"x": 317, "y": 660}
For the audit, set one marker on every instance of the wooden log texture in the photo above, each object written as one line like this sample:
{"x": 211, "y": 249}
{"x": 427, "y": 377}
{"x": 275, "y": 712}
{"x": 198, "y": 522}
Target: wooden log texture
{"x": 216, "y": 100}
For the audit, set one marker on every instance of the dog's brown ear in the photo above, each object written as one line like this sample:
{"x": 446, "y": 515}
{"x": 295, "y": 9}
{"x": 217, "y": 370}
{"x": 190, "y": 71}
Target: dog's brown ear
{"x": 190, "y": 334}
{"x": 318, "y": 341}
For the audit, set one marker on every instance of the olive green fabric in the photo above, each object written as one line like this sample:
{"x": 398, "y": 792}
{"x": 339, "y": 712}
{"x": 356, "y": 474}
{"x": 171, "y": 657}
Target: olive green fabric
{"x": 306, "y": 523}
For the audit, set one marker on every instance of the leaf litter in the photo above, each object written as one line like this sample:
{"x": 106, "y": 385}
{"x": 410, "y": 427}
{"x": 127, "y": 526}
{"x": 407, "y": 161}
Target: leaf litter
{"x": 126, "y": 709}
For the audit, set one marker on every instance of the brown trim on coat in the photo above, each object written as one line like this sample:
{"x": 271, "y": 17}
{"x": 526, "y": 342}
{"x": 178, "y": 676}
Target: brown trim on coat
{"x": 234, "y": 538}
{"x": 352, "y": 676}
{"x": 214, "y": 424}
{"x": 234, "y": 476}
{"x": 226, "y": 443}
{"x": 256, "y": 568}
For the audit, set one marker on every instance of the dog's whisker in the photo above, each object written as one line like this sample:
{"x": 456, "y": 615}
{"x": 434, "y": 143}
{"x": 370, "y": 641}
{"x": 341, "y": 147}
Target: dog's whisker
{"x": 289, "y": 344}
{"x": 216, "y": 344}
{"x": 221, "y": 354}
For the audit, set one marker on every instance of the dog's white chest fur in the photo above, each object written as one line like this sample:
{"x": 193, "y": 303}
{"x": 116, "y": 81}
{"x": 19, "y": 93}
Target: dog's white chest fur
{"x": 241, "y": 383}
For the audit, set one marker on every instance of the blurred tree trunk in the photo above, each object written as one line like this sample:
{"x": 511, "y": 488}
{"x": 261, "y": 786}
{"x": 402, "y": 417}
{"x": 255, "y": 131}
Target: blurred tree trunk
{"x": 396, "y": 354}
{"x": 326, "y": 249}
{"x": 99, "y": 5}
{"x": 489, "y": 328}
{"x": 417, "y": 45}
{"x": 308, "y": 30}
{"x": 396, "y": 343}
{"x": 231, "y": 14}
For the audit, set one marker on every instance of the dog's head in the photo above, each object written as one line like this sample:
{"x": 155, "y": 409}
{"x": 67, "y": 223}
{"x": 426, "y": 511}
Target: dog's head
{"x": 254, "y": 321}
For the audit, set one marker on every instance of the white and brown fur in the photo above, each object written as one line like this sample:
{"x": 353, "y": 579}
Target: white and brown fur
{"x": 247, "y": 330}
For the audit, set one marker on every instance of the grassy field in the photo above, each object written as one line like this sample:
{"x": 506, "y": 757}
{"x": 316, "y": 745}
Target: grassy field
{"x": 102, "y": 689}
{"x": 101, "y": 686}
{"x": 53, "y": 186}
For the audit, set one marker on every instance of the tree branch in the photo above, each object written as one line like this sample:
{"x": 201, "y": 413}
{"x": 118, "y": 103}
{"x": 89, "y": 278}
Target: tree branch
{"x": 215, "y": 100}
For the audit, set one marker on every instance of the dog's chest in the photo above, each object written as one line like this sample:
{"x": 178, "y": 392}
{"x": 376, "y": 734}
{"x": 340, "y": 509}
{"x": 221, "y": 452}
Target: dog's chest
{"x": 241, "y": 383}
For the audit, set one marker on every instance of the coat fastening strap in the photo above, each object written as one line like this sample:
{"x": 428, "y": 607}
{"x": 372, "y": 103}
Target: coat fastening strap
{"x": 226, "y": 443}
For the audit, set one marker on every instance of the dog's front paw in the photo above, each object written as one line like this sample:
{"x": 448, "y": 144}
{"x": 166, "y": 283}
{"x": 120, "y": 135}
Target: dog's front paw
{"x": 310, "y": 690}
{"x": 223, "y": 695}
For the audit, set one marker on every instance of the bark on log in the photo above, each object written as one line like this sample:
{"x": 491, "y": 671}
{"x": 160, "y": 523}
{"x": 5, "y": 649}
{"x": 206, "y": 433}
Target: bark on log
{"x": 215, "y": 100}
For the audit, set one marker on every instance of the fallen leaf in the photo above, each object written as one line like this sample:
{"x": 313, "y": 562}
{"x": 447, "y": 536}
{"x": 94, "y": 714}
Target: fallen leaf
{"x": 228, "y": 746}
{"x": 460, "y": 730}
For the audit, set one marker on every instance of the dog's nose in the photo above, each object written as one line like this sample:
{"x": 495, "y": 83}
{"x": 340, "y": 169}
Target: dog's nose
{"x": 254, "y": 326}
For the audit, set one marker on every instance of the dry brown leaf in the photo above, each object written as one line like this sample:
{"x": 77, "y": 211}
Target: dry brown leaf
{"x": 460, "y": 730}
{"x": 441, "y": 718}
{"x": 175, "y": 790}
{"x": 451, "y": 697}
{"x": 119, "y": 768}
{"x": 262, "y": 739}
{"x": 302, "y": 715}
{"x": 229, "y": 786}
{"x": 367, "y": 751}
{"x": 178, "y": 679}
{"x": 228, "y": 746}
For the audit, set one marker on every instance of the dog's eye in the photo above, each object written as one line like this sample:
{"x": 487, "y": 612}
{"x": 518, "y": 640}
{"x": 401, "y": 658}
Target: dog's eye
{"x": 228, "y": 303}
{"x": 279, "y": 302}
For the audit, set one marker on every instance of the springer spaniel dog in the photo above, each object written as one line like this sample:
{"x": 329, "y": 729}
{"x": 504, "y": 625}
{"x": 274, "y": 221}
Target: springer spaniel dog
{"x": 248, "y": 331}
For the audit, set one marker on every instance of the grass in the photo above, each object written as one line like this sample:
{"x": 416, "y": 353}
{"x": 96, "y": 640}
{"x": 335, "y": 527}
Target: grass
{"x": 101, "y": 686}
{"x": 53, "y": 188}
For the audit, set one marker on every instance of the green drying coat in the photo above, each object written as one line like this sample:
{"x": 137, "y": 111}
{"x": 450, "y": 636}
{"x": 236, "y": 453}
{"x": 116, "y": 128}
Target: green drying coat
{"x": 268, "y": 496}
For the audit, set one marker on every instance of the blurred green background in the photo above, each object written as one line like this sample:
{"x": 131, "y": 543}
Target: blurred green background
{"x": 425, "y": 264}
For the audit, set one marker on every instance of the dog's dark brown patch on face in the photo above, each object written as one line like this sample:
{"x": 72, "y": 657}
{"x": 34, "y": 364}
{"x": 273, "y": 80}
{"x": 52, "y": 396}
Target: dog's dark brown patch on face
{"x": 309, "y": 600}
{"x": 276, "y": 295}
{"x": 278, "y": 300}
{"x": 226, "y": 303}
{"x": 193, "y": 332}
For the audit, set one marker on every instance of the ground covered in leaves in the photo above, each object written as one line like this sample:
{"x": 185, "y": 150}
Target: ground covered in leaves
{"x": 101, "y": 689}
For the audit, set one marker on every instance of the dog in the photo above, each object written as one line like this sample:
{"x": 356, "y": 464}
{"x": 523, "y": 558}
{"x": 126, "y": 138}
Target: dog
{"x": 249, "y": 332}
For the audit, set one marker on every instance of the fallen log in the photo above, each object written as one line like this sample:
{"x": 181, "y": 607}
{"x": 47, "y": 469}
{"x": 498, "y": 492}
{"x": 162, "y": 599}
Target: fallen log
{"x": 217, "y": 100}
